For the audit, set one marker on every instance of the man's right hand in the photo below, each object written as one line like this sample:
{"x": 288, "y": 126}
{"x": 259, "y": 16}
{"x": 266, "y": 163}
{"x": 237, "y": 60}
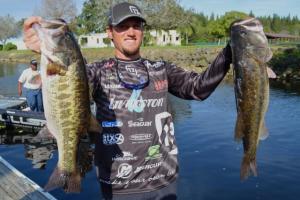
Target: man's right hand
{"x": 31, "y": 38}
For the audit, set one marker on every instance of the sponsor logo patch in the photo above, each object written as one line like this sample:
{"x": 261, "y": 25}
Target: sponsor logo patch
{"x": 112, "y": 123}
{"x": 160, "y": 85}
{"x": 125, "y": 156}
{"x": 153, "y": 153}
{"x": 124, "y": 171}
{"x": 134, "y": 10}
{"x": 141, "y": 137}
{"x": 112, "y": 138}
{"x": 147, "y": 167}
{"x": 139, "y": 123}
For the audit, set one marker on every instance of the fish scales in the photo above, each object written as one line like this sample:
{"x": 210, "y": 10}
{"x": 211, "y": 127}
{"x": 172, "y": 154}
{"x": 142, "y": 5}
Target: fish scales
{"x": 250, "y": 54}
{"x": 66, "y": 99}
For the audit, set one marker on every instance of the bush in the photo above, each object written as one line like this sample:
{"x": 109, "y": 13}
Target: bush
{"x": 9, "y": 46}
{"x": 286, "y": 63}
{"x": 107, "y": 41}
{"x": 1, "y": 47}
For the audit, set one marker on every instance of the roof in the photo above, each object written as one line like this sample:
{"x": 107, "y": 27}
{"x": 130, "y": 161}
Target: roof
{"x": 278, "y": 35}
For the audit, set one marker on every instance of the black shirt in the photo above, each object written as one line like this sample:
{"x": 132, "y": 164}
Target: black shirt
{"x": 136, "y": 151}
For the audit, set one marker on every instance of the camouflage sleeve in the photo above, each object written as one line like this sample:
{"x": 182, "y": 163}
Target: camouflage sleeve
{"x": 192, "y": 85}
{"x": 91, "y": 70}
{"x": 94, "y": 76}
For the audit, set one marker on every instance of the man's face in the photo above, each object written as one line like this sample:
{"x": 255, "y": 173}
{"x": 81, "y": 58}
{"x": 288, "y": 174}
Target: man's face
{"x": 127, "y": 37}
{"x": 33, "y": 67}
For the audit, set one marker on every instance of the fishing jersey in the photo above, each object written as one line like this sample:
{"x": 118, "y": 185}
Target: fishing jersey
{"x": 136, "y": 151}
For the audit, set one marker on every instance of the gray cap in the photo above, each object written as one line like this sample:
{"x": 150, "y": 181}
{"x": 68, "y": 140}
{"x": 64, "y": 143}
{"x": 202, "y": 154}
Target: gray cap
{"x": 122, "y": 11}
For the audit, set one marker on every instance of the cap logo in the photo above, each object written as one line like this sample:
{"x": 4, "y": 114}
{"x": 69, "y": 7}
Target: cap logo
{"x": 134, "y": 10}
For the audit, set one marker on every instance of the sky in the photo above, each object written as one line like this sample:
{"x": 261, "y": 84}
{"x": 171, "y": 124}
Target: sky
{"x": 25, "y": 8}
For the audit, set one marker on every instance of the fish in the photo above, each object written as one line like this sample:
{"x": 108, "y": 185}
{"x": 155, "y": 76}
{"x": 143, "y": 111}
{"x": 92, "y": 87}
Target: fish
{"x": 250, "y": 54}
{"x": 66, "y": 100}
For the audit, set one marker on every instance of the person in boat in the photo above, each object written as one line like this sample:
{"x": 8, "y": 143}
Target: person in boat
{"x": 30, "y": 79}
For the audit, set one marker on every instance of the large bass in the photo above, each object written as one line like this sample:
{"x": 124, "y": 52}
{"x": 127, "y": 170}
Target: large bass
{"x": 66, "y": 99}
{"x": 250, "y": 53}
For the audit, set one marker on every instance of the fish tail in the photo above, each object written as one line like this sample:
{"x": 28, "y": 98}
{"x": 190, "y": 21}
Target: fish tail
{"x": 248, "y": 166}
{"x": 59, "y": 179}
{"x": 73, "y": 184}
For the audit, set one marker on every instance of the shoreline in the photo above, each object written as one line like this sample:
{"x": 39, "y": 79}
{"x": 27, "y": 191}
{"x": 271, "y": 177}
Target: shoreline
{"x": 188, "y": 57}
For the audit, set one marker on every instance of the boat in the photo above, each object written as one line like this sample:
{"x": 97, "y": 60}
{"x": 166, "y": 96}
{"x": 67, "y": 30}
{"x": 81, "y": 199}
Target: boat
{"x": 14, "y": 112}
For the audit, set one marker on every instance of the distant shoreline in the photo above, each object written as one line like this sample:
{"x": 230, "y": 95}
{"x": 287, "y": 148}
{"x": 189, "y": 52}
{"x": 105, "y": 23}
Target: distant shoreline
{"x": 189, "y": 57}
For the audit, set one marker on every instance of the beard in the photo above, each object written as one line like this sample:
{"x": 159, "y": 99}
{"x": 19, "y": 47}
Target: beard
{"x": 131, "y": 52}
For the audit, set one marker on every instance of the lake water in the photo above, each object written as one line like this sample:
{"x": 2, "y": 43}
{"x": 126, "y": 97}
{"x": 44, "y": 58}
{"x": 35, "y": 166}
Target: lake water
{"x": 209, "y": 157}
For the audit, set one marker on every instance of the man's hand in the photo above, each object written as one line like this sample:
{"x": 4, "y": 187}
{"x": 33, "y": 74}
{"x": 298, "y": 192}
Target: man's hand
{"x": 31, "y": 38}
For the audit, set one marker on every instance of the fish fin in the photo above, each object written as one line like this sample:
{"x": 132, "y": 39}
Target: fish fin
{"x": 264, "y": 133}
{"x": 94, "y": 129}
{"x": 94, "y": 125}
{"x": 271, "y": 73}
{"x": 248, "y": 166}
{"x": 55, "y": 68}
{"x": 56, "y": 180}
{"x": 59, "y": 179}
{"x": 239, "y": 133}
{"x": 44, "y": 133}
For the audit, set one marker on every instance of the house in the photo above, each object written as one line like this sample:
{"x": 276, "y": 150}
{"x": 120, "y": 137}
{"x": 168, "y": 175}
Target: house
{"x": 160, "y": 38}
{"x": 163, "y": 38}
{"x": 94, "y": 40}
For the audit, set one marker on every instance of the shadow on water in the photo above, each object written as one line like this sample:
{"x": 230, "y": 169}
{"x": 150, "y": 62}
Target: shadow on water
{"x": 40, "y": 150}
{"x": 292, "y": 87}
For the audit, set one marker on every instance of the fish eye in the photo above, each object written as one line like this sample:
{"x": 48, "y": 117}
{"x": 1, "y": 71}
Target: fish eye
{"x": 243, "y": 33}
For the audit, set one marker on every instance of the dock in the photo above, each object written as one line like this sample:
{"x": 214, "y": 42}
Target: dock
{"x": 16, "y": 186}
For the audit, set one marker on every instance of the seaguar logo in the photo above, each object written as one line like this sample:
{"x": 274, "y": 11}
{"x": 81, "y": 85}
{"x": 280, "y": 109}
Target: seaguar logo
{"x": 139, "y": 123}
{"x": 134, "y": 10}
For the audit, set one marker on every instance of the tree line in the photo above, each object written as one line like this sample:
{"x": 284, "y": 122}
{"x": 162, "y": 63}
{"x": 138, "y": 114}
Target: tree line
{"x": 160, "y": 15}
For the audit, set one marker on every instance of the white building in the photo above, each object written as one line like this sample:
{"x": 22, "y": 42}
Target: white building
{"x": 95, "y": 40}
{"x": 163, "y": 38}
{"x": 160, "y": 38}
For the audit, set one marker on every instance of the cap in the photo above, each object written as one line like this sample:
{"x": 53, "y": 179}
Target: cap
{"x": 33, "y": 62}
{"x": 122, "y": 11}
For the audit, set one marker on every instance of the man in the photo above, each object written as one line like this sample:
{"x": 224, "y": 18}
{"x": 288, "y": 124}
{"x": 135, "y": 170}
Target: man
{"x": 31, "y": 79}
{"x": 136, "y": 153}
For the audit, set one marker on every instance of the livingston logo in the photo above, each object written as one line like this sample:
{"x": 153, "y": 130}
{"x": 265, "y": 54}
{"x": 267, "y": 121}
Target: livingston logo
{"x": 135, "y": 103}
